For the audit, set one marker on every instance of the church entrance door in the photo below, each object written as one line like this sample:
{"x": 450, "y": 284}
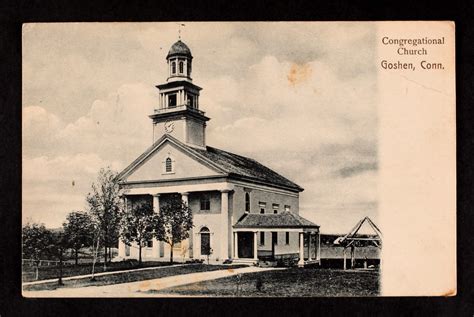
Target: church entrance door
{"x": 245, "y": 244}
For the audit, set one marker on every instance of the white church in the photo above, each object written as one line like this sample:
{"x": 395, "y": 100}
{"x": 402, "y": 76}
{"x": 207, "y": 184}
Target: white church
{"x": 242, "y": 210}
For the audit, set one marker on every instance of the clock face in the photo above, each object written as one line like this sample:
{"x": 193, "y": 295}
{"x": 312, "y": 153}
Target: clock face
{"x": 169, "y": 126}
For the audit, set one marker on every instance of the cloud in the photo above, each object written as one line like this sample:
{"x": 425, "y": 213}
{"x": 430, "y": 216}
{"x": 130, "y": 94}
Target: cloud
{"x": 57, "y": 154}
{"x": 54, "y": 186}
{"x": 39, "y": 129}
{"x": 337, "y": 204}
{"x": 348, "y": 171}
{"x": 289, "y": 106}
{"x": 117, "y": 126}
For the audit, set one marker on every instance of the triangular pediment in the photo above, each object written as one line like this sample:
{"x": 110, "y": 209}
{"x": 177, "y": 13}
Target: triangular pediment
{"x": 151, "y": 165}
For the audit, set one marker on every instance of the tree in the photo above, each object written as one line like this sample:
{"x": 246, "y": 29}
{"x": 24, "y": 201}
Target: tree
{"x": 137, "y": 225}
{"x": 57, "y": 247}
{"x": 175, "y": 221}
{"x": 78, "y": 231}
{"x": 95, "y": 247}
{"x": 36, "y": 240}
{"x": 105, "y": 204}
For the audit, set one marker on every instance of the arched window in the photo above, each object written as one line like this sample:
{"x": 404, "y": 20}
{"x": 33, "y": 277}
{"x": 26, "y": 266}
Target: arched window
{"x": 173, "y": 67}
{"x": 189, "y": 68}
{"x": 205, "y": 241}
{"x": 168, "y": 165}
{"x": 247, "y": 202}
{"x": 181, "y": 67}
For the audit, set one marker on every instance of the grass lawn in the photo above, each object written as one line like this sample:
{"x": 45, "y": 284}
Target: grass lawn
{"x": 127, "y": 277}
{"x": 296, "y": 282}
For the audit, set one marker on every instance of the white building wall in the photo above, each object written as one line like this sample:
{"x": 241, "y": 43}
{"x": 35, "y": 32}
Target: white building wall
{"x": 213, "y": 222}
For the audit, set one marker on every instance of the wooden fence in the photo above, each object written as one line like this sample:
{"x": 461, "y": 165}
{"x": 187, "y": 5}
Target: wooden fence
{"x": 42, "y": 263}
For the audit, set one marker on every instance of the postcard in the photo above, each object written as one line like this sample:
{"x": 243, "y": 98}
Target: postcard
{"x": 239, "y": 159}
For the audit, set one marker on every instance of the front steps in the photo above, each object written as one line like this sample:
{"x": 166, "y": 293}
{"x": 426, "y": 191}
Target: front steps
{"x": 245, "y": 261}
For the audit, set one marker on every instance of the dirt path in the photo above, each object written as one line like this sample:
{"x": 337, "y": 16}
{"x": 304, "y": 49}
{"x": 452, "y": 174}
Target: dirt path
{"x": 141, "y": 288}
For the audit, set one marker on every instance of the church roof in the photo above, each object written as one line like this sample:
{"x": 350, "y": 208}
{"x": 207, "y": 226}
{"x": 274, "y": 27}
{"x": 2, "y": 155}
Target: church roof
{"x": 235, "y": 166}
{"x": 179, "y": 48}
{"x": 244, "y": 167}
{"x": 285, "y": 219}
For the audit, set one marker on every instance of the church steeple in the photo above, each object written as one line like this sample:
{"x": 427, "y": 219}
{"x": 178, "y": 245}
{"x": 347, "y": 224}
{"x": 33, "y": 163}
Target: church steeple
{"x": 178, "y": 111}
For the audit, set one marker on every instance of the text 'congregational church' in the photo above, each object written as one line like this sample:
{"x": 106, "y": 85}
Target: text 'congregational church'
{"x": 242, "y": 210}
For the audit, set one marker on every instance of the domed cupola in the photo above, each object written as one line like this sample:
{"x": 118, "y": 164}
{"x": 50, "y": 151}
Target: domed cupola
{"x": 179, "y": 62}
{"x": 179, "y": 49}
{"x": 178, "y": 112}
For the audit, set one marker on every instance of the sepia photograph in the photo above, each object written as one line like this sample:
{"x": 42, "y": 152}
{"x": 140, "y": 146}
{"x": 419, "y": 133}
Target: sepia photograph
{"x": 244, "y": 159}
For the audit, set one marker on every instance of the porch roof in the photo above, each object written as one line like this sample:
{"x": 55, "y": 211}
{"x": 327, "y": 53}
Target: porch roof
{"x": 285, "y": 219}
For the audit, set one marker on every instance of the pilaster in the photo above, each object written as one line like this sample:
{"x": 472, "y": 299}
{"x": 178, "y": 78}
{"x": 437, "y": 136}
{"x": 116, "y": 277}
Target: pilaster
{"x": 224, "y": 254}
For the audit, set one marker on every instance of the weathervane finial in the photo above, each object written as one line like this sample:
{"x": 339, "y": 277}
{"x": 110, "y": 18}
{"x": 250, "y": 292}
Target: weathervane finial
{"x": 179, "y": 30}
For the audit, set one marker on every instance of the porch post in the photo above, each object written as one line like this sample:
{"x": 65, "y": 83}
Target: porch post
{"x": 344, "y": 252}
{"x": 156, "y": 244}
{"x": 301, "y": 260}
{"x": 156, "y": 203}
{"x": 225, "y": 224}
{"x": 318, "y": 254}
{"x": 352, "y": 256}
{"x": 185, "y": 199}
{"x": 309, "y": 245}
{"x": 236, "y": 246}
{"x": 255, "y": 255}
{"x": 121, "y": 244}
{"x": 121, "y": 249}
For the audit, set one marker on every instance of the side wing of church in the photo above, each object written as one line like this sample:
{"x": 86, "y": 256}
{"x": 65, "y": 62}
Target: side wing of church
{"x": 242, "y": 210}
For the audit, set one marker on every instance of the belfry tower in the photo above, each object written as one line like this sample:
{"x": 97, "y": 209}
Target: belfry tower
{"x": 178, "y": 111}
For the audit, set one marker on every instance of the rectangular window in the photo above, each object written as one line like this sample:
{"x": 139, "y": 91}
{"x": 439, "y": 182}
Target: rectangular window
{"x": 287, "y": 207}
{"x": 262, "y": 204}
{"x": 172, "y": 101}
{"x": 276, "y": 206}
{"x": 275, "y": 211}
{"x": 205, "y": 203}
{"x": 190, "y": 101}
{"x": 127, "y": 250}
{"x": 262, "y": 210}
{"x": 262, "y": 238}
{"x": 275, "y": 238}
{"x": 162, "y": 249}
{"x": 287, "y": 238}
{"x": 149, "y": 244}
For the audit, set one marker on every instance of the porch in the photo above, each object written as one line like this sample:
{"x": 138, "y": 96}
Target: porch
{"x": 214, "y": 217}
{"x": 292, "y": 238}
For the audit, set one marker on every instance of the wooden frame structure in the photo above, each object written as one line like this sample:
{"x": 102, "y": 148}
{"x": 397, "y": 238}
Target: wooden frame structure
{"x": 350, "y": 240}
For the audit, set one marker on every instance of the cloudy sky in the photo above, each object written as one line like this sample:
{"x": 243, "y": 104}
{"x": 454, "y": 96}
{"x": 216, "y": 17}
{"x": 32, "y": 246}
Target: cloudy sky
{"x": 298, "y": 97}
